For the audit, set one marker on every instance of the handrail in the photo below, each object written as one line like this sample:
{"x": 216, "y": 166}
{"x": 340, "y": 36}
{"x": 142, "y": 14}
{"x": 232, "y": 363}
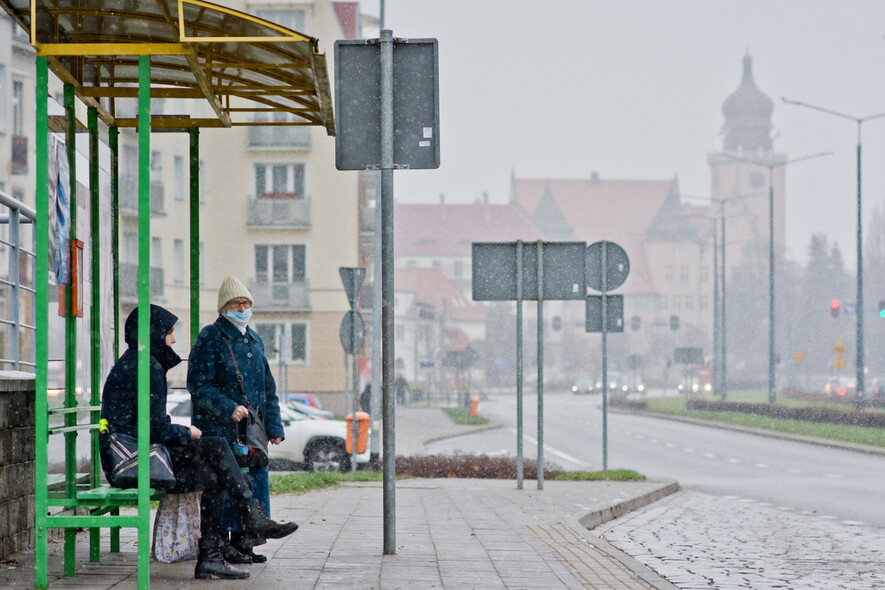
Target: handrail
{"x": 18, "y": 213}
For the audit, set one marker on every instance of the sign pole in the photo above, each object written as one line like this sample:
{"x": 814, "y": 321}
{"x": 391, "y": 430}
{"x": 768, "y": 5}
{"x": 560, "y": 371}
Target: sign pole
{"x": 604, "y": 360}
{"x": 540, "y": 365}
{"x": 519, "y": 365}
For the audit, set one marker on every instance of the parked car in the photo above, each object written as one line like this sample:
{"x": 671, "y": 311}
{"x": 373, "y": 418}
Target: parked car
{"x": 877, "y": 387}
{"x": 585, "y": 386}
{"x": 840, "y": 386}
{"x": 310, "y": 410}
{"x": 311, "y": 443}
{"x": 304, "y": 398}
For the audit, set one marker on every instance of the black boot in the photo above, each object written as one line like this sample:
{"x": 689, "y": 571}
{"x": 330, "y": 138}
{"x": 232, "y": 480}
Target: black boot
{"x": 211, "y": 564}
{"x": 244, "y": 544}
{"x": 233, "y": 554}
{"x": 254, "y": 522}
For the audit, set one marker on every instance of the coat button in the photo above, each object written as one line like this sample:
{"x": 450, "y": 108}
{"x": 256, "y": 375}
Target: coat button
{"x": 248, "y": 355}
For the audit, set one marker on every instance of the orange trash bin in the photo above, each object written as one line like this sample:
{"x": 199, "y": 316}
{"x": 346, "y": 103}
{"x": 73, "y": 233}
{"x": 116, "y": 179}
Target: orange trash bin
{"x": 362, "y": 432}
{"x": 474, "y": 406}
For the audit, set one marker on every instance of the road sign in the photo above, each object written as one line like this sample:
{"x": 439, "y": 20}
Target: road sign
{"x": 614, "y": 311}
{"x": 839, "y": 348}
{"x": 617, "y": 266}
{"x": 352, "y": 332}
{"x": 839, "y": 363}
{"x": 798, "y": 357}
{"x": 358, "y": 104}
{"x": 850, "y": 308}
{"x": 352, "y": 278}
{"x": 495, "y": 271}
{"x": 688, "y": 356}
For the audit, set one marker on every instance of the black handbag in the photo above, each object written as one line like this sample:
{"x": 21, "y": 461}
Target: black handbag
{"x": 122, "y": 452}
{"x": 250, "y": 450}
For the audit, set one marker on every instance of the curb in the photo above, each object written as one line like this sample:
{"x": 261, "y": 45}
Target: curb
{"x": 482, "y": 428}
{"x": 593, "y": 519}
{"x": 822, "y": 442}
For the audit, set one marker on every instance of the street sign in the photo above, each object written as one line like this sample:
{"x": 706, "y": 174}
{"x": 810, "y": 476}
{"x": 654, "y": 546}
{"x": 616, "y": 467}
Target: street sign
{"x": 352, "y": 278}
{"x": 495, "y": 271}
{"x": 839, "y": 363}
{"x": 352, "y": 332}
{"x": 614, "y": 311}
{"x": 839, "y": 348}
{"x": 688, "y": 356}
{"x": 617, "y": 266}
{"x": 798, "y": 357}
{"x": 358, "y": 104}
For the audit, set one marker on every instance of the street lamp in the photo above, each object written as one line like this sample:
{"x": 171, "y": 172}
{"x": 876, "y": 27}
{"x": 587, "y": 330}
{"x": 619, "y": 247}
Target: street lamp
{"x": 859, "y": 392}
{"x": 771, "y": 166}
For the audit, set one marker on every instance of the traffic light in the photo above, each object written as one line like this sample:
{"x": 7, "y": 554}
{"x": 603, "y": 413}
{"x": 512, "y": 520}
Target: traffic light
{"x": 882, "y": 309}
{"x": 674, "y": 322}
{"x": 835, "y": 307}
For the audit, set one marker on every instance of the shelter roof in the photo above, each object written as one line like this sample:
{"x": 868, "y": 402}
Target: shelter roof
{"x": 242, "y": 65}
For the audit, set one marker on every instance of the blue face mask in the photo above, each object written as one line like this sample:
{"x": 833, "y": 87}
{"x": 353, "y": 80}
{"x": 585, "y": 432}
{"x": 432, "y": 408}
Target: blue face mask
{"x": 240, "y": 316}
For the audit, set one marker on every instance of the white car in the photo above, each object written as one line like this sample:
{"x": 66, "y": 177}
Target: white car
{"x": 311, "y": 443}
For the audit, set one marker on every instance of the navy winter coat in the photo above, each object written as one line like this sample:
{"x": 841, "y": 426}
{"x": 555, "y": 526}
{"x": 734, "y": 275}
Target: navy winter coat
{"x": 211, "y": 380}
{"x": 119, "y": 401}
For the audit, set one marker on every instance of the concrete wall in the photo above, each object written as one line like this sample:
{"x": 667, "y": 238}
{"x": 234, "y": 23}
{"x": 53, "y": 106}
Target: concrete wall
{"x": 17, "y": 421}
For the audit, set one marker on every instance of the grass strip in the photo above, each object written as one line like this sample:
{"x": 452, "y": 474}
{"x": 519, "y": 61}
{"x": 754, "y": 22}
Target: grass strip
{"x": 675, "y": 406}
{"x": 611, "y": 475}
{"x": 462, "y": 416}
{"x": 301, "y": 482}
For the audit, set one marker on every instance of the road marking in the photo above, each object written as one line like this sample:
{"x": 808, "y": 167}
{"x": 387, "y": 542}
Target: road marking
{"x": 559, "y": 454}
{"x": 653, "y": 441}
{"x": 709, "y": 455}
{"x": 786, "y": 508}
{"x": 761, "y": 465}
{"x": 688, "y": 450}
{"x": 833, "y": 475}
{"x": 732, "y": 460}
{"x": 794, "y": 470}
{"x": 852, "y": 523}
{"x": 670, "y": 445}
{"x": 828, "y": 517}
{"x": 732, "y": 497}
{"x": 639, "y": 436}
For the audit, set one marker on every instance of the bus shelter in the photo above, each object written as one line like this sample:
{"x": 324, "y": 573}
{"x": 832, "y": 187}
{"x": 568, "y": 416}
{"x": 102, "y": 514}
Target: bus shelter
{"x": 106, "y": 54}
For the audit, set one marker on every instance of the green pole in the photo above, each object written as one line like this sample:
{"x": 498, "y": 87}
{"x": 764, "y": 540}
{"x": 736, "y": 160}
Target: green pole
{"x": 114, "y": 143}
{"x": 195, "y": 230}
{"x": 144, "y": 283}
{"x": 41, "y": 282}
{"x": 95, "y": 315}
{"x": 71, "y": 329}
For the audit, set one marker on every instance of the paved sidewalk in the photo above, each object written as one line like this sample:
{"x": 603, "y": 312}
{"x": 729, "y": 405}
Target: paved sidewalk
{"x": 450, "y": 533}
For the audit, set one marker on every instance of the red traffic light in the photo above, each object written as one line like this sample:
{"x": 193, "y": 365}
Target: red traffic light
{"x": 835, "y": 306}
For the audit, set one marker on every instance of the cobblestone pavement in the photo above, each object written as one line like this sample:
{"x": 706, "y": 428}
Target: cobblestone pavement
{"x": 697, "y": 540}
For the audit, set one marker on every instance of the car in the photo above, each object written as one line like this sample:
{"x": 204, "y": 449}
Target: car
{"x": 585, "y": 386}
{"x": 304, "y": 398}
{"x": 311, "y": 443}
{"x": 840, "y": 386}
{"x": 310, "y": 411}
{"x": 615, "y": 384}
{"x": 877, "y": 387}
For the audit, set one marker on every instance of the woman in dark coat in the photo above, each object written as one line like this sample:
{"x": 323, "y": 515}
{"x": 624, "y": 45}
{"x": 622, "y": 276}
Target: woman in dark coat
{"x": 199, "y": 463}
{"x": 223, "y": 350}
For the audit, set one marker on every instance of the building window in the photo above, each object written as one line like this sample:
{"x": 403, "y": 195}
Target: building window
{"x": 178, "y": 261}
{"x": 410, "y": 264}
{"x": 668, "y": 274}
{"x": 18, "y": 108}
{"x": 291, "y": 337}
{"x": 298, "y": 341}
{"x": 3, "y": 92}
{"x": 689, "y": 302}
{"x": 279, "y": 181}
{"x": 705, "y": 274}
{"x": 280, "y": 263}
{"x": 291, "y": 19}
{"x": 705, "y": 302}
{"x": 157, "y": 252}
{"x": 683, "y": 274}
{"x": 129, "y": 248}
{"x": 436, "y": 264}
{"x": 178, "y": 166}
{"x": 156, "y": 165}
{"x": 677, "y": 302}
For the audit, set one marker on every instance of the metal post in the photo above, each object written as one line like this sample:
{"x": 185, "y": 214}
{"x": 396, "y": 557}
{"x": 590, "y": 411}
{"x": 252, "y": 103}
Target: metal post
{"x": 519, "y": 365}
{"x": 95, "y": 315}
{"x": 771, "y": 384}
{"x": 604, "y": 359}
{"x": 387, "y": 292}
{"x": 354, "y": 423}
{"x": 41, "y": 282}
{"x": 194, "y": 162}
{"x": 14, "y": 283}
{"x": 540, "y": 365}
{"x": 859, "y": 390}
{"x": 114, "y": 143}
{"x": 717, "y": 358}
{"x": 144, "y": 347}
{"x": 376, "y": 330}
{"x": 723, "y": 356}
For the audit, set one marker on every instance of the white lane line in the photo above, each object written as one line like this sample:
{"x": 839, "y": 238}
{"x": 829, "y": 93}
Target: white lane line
{"x": 761, "y": 465}
{"x": 833, "y": 475}
{"x": 688, "y": 450}
{"x": 852, "y": 523}
{"x": 556, "y": 452}
{"x": 670, "y": 445}
{"x": 653, "y": 441}
{"x": 794, "y": 471}
{"x": 732, "y": 460}
{"x": 709, "y": 455}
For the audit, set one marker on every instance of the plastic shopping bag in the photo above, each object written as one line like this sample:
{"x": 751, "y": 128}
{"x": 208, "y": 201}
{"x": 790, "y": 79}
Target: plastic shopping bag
{"x": 177, "y": 528}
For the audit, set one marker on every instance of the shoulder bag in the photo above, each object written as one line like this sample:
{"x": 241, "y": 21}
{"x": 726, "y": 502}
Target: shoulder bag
{"x": 250, "y": 450}
{"x": 123, "y": 454}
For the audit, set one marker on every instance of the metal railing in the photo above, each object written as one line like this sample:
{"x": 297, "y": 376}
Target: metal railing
{"x": 19, "y": 283}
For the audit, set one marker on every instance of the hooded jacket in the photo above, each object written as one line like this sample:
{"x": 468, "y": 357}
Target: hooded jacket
{"x": 119, "y": 402}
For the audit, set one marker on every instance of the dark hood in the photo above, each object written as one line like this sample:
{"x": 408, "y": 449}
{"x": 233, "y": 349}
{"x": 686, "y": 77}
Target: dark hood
{"x": 162, "y": 321}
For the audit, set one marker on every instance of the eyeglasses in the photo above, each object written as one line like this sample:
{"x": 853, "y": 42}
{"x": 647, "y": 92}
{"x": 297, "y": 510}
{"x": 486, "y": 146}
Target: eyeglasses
{"x": 239, "y": 304}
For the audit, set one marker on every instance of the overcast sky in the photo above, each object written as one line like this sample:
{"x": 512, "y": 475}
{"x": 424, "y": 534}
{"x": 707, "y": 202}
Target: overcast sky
{"x": 634, "y": 89}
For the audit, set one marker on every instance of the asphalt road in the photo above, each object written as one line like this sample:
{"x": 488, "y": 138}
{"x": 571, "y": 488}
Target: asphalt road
{"x": 843, "y": 485}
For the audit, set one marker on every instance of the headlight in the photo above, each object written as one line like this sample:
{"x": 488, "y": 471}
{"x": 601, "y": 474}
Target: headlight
{"x": 623, "y": 388}
{"x": 641, "y": 388}
{"x": 694, "y": 388}
{"x": 708, "y": 387}
{"x": 679, "y": 387}
{"x": 574, "y": 388}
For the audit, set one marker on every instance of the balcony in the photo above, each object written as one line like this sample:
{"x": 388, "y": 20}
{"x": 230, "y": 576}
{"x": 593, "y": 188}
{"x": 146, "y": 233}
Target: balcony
{"x": 19, "y": 154}
{"x": 279, "y": 137}
{"x": 279, "y": 210}
{"x": 129, "y": 197}
{"x": 129, "y": 282}
{"x": 294, "y": 296}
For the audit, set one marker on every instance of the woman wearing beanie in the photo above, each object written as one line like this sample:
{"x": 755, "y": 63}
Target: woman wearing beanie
{"x": 221, "y": 350}
{"x": 199, "y": 462}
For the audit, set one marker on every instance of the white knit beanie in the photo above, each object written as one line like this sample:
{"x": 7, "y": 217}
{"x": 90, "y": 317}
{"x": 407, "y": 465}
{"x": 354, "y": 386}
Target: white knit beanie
{"x": 231, "y": 288}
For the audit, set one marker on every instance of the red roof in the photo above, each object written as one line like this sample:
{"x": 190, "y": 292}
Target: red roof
{"x": 444, "y": 229}
{"x": 348, "y": 15}
{"x": 432, "y": 287}
{"x": 598, "y": 209}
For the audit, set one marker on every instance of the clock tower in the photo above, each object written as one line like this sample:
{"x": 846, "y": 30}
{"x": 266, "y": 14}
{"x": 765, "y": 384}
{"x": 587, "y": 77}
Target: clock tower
{"x": 740, "y": 174}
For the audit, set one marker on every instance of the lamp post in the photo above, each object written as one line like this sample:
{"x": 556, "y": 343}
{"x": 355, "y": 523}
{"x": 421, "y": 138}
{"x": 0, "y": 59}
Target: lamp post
{"x": 771, "y": 166}
{"x": 859, "y": 391}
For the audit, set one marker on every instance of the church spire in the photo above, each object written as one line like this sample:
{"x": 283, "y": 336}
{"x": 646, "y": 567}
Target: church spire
{"x": 747, "y": 117}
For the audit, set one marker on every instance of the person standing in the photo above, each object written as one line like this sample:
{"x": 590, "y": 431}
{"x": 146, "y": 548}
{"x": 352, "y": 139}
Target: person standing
{"x": 199, "y": 462}
{"x": 224, "y": 351}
